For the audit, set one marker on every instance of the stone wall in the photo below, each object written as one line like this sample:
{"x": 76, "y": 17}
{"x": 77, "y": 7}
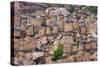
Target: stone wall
{"x": 36, "y": 30}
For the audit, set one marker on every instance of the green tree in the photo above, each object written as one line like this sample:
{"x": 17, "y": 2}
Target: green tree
{"x": 93, "y": 9}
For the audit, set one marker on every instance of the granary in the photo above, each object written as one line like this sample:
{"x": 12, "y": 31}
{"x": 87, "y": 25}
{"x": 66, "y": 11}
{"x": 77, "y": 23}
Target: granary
{"x": 23, "y": 20}
{"x": 60, "y": 25}
{"x": 75, "y": 48}
{"x": 42, "y": 31}
{"x": 75, "y": 23}
{"x": 58, "y": 18}
{"x": 16, "y": 45}
{"x": 65, "y": 18}
{"x": 30, "y": 30}
{"x": 17, "y": 33}
{"x": 51, "y": 22}
{"x": 93, "y": 45}
{"x": 81, "y": 47}
{"x": 83, "y": 29}
{"x": 67, "y": 48}
{"x": 29, "y": 18}
{"x": 36, "y": 22}
{"x": 69, "y": 39}
{"x": 17, "y": 20}
{"x": 55, "y": 29}
{"x": 68, "y": 27}
{"x": 48, "y": 30}
{"x": 89, "y": 45}
{"x": 92, "y": 27}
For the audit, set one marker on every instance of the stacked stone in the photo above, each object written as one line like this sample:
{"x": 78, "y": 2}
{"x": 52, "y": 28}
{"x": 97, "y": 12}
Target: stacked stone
{"x": 38, "y": 31}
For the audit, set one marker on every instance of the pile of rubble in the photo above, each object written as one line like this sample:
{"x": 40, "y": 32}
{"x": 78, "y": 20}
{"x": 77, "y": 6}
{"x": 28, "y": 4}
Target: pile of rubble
{"x": 36, "y": 32}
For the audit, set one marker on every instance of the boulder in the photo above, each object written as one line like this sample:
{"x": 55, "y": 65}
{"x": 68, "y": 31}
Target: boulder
{"x": 28, "y": 62}
{"x": 74, "y": 48}
{"x": 21, "y": 59}
{"x": 86, "y": 56}
{"x": 48, "y": 60}
{"x": 28, "y": 56}
{"x": 94, "y": 56}
{"x": 70, "y": 59}
{"x": 79, "y": 56}
{"x": 16, "y": 61}
{"x": 52, "y": 11}
{"x": 36, "y": 55}
{"x": 44, "y": 40}
{"x": 19, "y": 53}
{"x": 89, "y": 39}
{"x": 69, "y": 39}
{"x": 63, "y": 11}
{"x": 59, "y": 37}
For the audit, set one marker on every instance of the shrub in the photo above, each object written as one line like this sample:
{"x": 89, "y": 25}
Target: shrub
{"x": 58, "y": 53}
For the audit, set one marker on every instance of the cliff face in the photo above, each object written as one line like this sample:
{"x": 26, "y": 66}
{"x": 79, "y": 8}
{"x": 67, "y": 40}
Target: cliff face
{"x": 25, "y": 8}
{"x": 36, "y": 27}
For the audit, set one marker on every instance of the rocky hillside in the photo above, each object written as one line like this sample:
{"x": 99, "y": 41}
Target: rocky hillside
{"x": 53, "y": 33}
